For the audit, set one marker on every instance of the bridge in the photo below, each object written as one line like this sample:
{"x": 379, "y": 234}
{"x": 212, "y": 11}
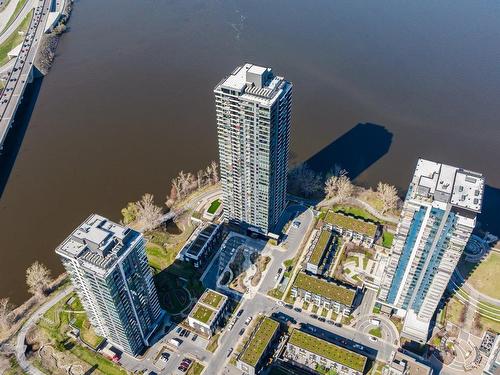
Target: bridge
{"x": 22, "y": 70}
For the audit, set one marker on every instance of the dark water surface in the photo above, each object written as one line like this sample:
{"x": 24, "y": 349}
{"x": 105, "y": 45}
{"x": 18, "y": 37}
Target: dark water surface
{"x": 129, "y": 101}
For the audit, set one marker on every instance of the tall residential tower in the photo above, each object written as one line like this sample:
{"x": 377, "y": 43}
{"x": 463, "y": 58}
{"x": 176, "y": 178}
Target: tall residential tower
{"x": 108, "y": 267}
{"x": 438, "y": 217}
{"x": 253, "y": 125}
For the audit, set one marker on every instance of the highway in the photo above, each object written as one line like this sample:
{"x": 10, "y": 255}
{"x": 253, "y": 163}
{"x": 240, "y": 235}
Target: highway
{"x": 21, "y": 72}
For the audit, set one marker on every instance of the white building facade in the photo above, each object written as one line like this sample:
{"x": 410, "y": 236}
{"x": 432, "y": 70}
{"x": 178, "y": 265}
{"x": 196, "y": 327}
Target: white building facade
{"x": 438, "y": 217}
{"x": 108, "y": 267}
{"x": 253, "y": 126}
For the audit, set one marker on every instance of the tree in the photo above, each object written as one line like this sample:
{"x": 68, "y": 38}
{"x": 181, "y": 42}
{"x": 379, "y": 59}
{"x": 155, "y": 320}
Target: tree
{"x": 214, "y": 170}
{"x": 37, "y": 278}
{"x": 5, "y": 309}
{"x": 339, "y": 186}
{"x": 148, "y": 214}
{"x": 303, "y": 181}
{"x": 388, "y": 194}
{"x": 129, "y": 213}
{"x": 199, "y": 179}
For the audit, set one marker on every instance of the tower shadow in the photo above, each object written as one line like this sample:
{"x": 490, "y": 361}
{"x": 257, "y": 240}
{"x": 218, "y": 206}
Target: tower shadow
{"x": 488, "y": 218}
{"x": 15, "y": 137}
{"x": 354, "y": 151}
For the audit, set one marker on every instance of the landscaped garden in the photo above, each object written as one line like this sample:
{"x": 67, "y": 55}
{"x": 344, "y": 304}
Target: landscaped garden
{"x": 214, "y": 206}
{"x": 484, "y": 277}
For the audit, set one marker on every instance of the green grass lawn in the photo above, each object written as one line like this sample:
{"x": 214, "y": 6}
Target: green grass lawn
{"x": 377, "y": 332}
{"x": 276, "y": 293}
{"x": 355, "y": 211}
{"x": 354, "y": 259}
{"x": 214, "y": 206}
{"x": 14, "y": 39}
{"x": 213, "y": 343}
{"x": 484, "y": 277}
{"x": 14, "y": 15}
{"x": 195, "y": 369}
{"x": 387, "y": 239}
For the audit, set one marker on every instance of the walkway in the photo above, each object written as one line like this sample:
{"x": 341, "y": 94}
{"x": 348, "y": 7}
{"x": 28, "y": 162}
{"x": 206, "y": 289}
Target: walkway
{"x": 358, "y": 202}
{"x": 33, "y": 319}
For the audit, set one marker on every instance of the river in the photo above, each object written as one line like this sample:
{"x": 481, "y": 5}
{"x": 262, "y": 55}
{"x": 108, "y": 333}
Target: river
{"x": 128, "y": 102}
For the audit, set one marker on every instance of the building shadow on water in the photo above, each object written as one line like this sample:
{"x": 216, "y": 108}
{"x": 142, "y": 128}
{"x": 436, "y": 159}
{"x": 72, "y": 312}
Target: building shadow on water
{"x": 15, "y": 136}
{"x": 354, "y": 151}
{"x": 488, "y": 219}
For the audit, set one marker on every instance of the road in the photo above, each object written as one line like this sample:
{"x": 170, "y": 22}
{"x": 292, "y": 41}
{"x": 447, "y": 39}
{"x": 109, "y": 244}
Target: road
{"x": 30, "y": 4}
{"x": 33, "y": 319}
{"x": 21, "y": 72}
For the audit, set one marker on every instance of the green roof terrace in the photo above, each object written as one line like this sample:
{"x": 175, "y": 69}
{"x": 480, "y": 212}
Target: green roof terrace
{"x": 202, "y": 313}
{"x": 320, "y": 247}
{"x": 328, "y": 350}
{"x": 350, "y": 223}
{"x": 259, "y": 342}
{"x": 212, "y": 298}
{"x": 330, "y": 290}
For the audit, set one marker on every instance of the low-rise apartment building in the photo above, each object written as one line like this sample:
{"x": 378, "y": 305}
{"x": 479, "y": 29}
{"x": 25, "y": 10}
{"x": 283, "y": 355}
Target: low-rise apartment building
{"x": 327, "y": 294}
{"x": 357, "y": 230}
{"x": 254, "y": 354}
{"x": 208, "y": 312}
{"x": 201, "y": 244}
{"x": 305, "y": 350}
{"x": 319, "y": 248}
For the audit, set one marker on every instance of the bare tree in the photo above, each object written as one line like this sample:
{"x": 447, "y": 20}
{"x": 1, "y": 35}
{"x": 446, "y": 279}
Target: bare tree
{"x": 199, "y": 179}
{"x": 339, "y": 186}
{"x": 5, "y": 309}
{"x": 214, "y": 169}
{"x": 302, "y": 180}
{"x": 175, "y": 191}
{"x": 208, "y": 174}
{"x": 37, "y": 278}
{"x": 345, "y": 188}
{"x": 148, "y": 214}
{"x": 388, "y": 194}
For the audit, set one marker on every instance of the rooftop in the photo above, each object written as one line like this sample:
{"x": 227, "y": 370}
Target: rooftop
{"x": 348, "y": 222}
{"x": 328, "y": 350}
{"x": 447, "y": 184}
{"x": 98, "y": 243}
{"x": 202, "y": 313}
{"x": 254, "y": 82}
{"x": 212, "y": 298}
{"x": 199, "y": 239}
{"x": 330, "y": 290}
{"x": 208, "y": 306}
{"x": 258, "y": 343}
{"x": 320, "y": 247}
{"x": 403, "y": 363}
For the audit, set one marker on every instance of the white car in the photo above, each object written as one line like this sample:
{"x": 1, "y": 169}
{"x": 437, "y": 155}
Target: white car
{"x": 279, "y": 303}
{"x": 296, "y": 224}
{"x": 373, "y": 338}
{"x": 249, "y": 319}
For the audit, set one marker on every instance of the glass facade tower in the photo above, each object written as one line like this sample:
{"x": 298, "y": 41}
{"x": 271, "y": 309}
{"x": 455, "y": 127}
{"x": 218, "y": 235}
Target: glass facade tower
{"x": 438, "y": 217}
{"x": 109, "y": 270}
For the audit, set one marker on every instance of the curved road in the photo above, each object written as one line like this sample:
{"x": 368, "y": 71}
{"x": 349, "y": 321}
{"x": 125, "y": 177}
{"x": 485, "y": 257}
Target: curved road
{"x": 30, "y": 4}
{"x": 33, "y": 319}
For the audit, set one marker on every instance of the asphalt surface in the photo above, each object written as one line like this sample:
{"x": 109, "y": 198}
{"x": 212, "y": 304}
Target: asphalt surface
{"x": 19, "y": 76}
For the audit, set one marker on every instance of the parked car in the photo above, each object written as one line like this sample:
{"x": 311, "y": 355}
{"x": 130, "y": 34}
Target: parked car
{"x": 184, "y": 332}
{"x": 314, "y": 316}
{"x": 165, "y": 357}
{"x": 288, "y": 306}
{"x": 330, "y": 322}
{"x": 186, "y": 361}
{"x": 242, "y": 331}
{"x": 178, "y": 330}
{"x": 249, "y": 319}
{"x": 195, "y": 336}
{"x": 373, "y": 338}
{"x": 298, "y": 309}
{"x": 338, "y": 325}
{"x": 239, "y": 313}
{"x": 321, "y": 319}
{"x": 182, "y": 368}
{"x": 175, "y": 342}
{"x": 229, "y": 352}
{"x": 279, "y": 303}
{"x": 296, "y": 224}
{"x": 187, "y": 334}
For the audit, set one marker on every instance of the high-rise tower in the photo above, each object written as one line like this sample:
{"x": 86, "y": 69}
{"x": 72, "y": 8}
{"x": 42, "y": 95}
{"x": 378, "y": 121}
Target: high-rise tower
{"x": 253, "y": 125}
{"x": 438, "y": 217}
{"x": 109, "y": 270}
